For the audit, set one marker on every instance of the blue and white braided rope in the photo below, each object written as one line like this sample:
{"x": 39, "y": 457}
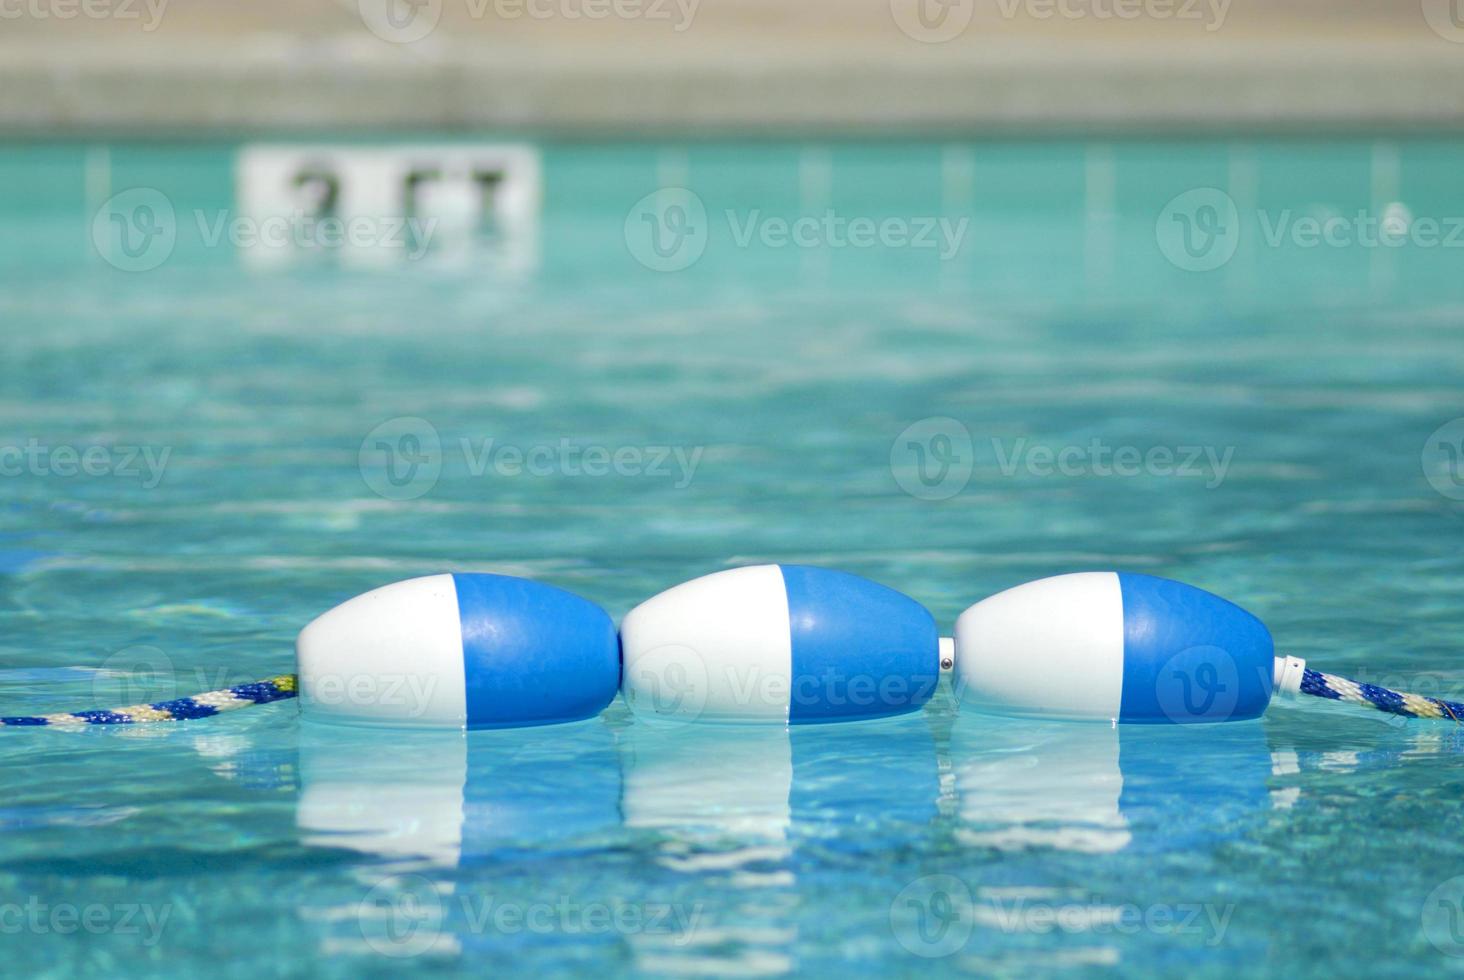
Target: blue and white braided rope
{"x": 181, "y": 709}
{"x": 1334, "y": 688}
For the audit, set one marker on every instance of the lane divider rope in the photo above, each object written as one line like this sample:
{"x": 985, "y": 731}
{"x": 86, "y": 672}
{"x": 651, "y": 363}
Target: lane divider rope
{"x": 1334, "y": 688}
{"x": 180, "y": 709}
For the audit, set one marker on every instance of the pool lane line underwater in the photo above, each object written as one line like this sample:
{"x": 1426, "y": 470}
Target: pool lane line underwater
{"x": 781, "y": 644}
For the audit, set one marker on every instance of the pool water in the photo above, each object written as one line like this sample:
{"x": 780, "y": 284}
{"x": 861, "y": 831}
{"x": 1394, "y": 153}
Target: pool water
{"x": 1099, "y": 374}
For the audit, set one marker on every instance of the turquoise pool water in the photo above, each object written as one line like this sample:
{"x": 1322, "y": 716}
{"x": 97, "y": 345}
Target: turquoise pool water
{"x": 186, "y": 486}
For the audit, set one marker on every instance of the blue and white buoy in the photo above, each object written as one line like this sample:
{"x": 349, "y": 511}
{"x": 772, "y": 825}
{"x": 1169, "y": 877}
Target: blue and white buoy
{"x": 1119, "y": 647}
{"x": 460, "y": 651}
{"x": 787, "y": 644}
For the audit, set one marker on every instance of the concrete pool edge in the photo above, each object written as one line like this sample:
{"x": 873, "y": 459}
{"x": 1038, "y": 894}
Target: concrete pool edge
{"x": 1000, "y": 87}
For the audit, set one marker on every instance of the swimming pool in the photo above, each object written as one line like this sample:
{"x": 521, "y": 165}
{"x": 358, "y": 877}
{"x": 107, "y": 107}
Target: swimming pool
{"x": 1098, "y": 372}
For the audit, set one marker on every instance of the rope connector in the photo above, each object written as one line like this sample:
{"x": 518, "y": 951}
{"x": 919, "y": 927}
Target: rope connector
{"x": 1287, "y": 678}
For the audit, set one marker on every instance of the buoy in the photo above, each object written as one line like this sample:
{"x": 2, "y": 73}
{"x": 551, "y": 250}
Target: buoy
{"x": 787, "y": 644}
{"x": 1116, "y": 646}
{"x": 459, "y": 651}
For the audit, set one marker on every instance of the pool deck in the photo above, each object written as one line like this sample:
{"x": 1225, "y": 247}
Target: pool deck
{"x": 737, "y": 68}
